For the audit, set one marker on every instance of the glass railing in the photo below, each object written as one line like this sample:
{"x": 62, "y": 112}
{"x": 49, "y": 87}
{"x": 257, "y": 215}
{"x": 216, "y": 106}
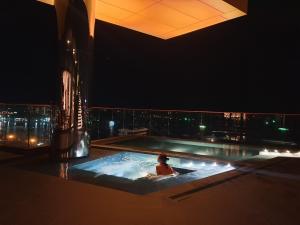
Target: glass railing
{"x": 268, "y": 129}
{"x": 30, "y": 126}
{"x": 25, "y": 126}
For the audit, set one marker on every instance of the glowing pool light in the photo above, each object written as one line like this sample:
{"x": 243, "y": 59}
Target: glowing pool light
{"x": 190, "y": 164}
{"x": 143, "y": 174}
{"x": 214, "y": 164}
{"x": 276, "y": 153}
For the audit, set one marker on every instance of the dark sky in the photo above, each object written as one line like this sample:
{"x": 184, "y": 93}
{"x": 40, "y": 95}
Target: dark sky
{"x": 248, "y": 64}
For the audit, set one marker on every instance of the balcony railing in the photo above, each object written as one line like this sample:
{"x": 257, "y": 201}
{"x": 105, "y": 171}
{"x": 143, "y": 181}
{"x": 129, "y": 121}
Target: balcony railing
{"x": 30, "y": 126}
{"x": 25, "y": 126}
{"x": 268, "y": 129}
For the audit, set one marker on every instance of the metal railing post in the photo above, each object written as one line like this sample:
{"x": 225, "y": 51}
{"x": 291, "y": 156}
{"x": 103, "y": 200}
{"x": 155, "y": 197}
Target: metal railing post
{"x": 28, "y": 127}
{"x": 133, "y": 119}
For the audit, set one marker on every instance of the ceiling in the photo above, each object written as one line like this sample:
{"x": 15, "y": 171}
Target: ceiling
{"x": 165, "y": 18}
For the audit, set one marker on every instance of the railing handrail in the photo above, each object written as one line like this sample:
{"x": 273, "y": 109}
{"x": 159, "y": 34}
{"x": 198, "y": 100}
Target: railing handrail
{"x": 24, "y": 104}
{"x": 160, "y": 110}
{"x": 192, "y": 111}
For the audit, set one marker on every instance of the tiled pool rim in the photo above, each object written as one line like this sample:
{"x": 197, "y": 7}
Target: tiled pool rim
{"x": 144, "y": 186}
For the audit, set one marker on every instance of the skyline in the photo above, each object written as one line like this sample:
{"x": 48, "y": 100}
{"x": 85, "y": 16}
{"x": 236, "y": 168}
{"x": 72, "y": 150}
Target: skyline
{"x": 247, "y": 64}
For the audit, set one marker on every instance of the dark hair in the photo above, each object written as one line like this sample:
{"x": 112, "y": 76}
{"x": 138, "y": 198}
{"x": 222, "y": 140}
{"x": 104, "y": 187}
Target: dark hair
{"x": 163, "y": 157}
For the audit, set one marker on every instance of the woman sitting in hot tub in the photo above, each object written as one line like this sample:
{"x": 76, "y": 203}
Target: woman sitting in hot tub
{"x": 163, "y": 168}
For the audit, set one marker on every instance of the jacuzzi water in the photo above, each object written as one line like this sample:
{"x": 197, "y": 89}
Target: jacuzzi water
{"x": 138, "y": 165}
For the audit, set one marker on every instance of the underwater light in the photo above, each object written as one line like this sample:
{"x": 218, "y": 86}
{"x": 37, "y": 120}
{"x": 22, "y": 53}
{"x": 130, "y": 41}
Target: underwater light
{"x": 143, "y": 174}
{"x": 190, "y": 164}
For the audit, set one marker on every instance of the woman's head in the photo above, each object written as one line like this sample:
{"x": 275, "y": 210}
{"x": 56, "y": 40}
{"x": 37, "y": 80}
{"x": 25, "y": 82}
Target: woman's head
{"x": 162, "y": 158}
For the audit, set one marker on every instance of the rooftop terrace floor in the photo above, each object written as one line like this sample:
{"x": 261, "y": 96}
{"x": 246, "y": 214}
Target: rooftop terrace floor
{"x": 263, "y": 193}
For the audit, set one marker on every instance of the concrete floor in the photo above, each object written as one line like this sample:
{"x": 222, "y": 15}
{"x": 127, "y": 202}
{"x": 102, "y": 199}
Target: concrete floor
{"x": 267, "y": 195}
{"x": 4, "y": 156}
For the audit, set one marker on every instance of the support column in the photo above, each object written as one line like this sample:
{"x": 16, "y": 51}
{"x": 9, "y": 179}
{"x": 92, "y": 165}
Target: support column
{"x": 75, "y": 29}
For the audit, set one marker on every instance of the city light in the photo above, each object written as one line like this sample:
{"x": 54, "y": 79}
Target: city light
{"x": 202, "y": 127}
{"x": 283, "y": 129}
{"x": 11, "y": 136}
{"x": 32, "y": 140}
{"x": 111, "y": 124}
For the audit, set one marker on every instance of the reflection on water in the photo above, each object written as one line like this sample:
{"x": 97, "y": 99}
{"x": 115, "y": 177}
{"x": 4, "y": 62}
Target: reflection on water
{"x": 63, "y": 171}
{"x": 229, "y": 152}
{"x": 19, "y": 133}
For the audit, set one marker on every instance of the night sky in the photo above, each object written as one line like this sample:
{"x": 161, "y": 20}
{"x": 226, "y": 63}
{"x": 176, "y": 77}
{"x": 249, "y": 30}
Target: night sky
{"x": 247, "y": 64}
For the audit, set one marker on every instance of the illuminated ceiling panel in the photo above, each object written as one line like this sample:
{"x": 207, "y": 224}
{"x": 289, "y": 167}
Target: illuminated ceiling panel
{"x": 131, "y": 5}
{"x": 109, "y": 10}
{"x": 166, "y": 18}
{"x": 162, "y": 14}
{"x": 192, "y": 8}
{"x": 50, "y": 2}
{"x": 145, "y": 25}
{"x": 197, "y": 26}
